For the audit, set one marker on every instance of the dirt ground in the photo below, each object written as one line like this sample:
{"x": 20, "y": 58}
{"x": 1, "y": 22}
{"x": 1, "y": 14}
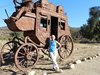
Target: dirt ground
{"x": 89, "y": 67}
{"x": 45, "y": 65}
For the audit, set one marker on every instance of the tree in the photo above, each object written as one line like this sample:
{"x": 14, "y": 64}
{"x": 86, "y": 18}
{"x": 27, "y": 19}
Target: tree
{"x": 91, "y": 30}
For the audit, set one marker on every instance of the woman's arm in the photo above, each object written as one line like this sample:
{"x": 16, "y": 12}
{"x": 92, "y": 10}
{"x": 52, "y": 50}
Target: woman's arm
{"x": 58, "y": 44}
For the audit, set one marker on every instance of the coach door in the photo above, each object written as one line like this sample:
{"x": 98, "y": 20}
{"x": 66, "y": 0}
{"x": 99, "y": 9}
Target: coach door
{"x": 54, "y": 26}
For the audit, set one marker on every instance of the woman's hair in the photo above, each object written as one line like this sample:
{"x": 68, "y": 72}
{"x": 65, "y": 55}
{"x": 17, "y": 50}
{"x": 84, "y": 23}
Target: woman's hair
{"x": 53, "y": 36}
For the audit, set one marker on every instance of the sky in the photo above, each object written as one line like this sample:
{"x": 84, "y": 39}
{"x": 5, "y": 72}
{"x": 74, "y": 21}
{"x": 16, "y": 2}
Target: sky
{"x": 77, "y": 10}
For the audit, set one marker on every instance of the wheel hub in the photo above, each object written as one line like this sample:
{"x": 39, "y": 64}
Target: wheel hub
{"x": 29, "y": 56}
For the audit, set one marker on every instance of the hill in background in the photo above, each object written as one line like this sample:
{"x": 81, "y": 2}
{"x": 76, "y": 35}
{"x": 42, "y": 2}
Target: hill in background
{"x": 6, "y": 34}
{"x": 5, "y": 27}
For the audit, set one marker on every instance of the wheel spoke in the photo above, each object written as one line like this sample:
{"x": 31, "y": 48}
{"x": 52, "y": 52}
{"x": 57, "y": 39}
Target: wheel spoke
{"x": 21, "y": 61}
{"x": 68, "y": 50}
{"x": 19, "y": 57}
{"x": 31, "y": 62}
{"x": 30, "y": 48}
{"x": 7, "y": 49}
{"x": 27, "y": 48}
{"x": 24, "y": 49}
{"x": 33, "y": 59}
{"x": 9, "y": 45}
{"x": 24, "y": 63}
{"x": 64, "y": 55}
{"x": 27, "y": 63}
{"x": 21, "y": 53}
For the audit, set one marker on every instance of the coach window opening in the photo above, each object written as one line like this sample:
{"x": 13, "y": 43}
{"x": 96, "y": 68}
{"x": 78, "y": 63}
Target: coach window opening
{"x": 62, "y": 24}
{"x": 43, "y": 22}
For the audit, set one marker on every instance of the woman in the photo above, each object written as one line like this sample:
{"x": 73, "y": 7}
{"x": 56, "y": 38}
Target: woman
{"x": 54, "y": 52}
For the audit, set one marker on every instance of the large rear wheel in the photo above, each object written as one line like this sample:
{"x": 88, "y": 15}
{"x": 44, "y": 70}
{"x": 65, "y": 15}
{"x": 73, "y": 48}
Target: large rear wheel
{"x": 26, "y": 56}
{"x": 8, "y": 50}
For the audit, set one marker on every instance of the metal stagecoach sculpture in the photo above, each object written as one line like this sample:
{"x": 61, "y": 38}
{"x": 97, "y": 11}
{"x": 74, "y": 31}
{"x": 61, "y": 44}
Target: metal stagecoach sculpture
{"x": 37, "y": 21}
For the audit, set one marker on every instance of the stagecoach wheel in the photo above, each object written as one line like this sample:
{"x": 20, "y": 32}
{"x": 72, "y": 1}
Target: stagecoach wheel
{"x": 7, "y": 51}
{"x": 26, "y": 56}
{"x": 67, "y": 46}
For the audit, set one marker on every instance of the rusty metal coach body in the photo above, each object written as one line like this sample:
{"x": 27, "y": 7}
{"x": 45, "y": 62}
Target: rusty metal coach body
{"x": 37, "y": 25}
